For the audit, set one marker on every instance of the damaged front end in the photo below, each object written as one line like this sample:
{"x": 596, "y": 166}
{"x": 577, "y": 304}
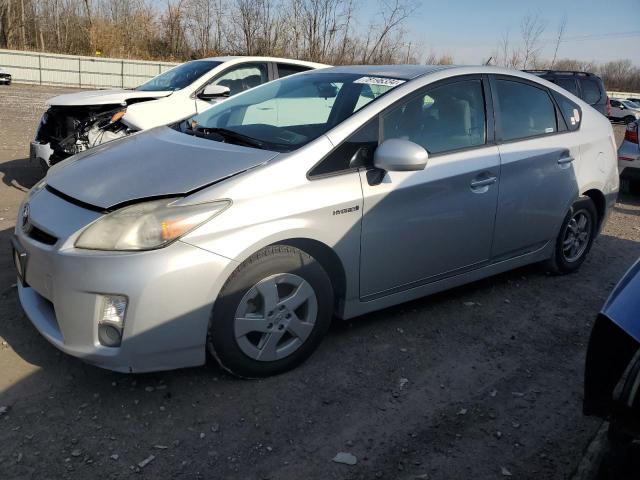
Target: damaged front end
{"x": 612, "y": 371}
{"x": 67, "y": 130}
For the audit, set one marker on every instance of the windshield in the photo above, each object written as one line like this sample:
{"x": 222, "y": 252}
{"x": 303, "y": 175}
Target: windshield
{"x": 178, "y": 77}
{"x": 288, "y": 113}
{"x": 630, "y": 104}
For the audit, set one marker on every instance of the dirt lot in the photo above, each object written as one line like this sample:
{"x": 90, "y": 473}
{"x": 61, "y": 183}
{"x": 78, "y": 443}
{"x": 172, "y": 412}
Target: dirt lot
{"x": 480, "y": 382}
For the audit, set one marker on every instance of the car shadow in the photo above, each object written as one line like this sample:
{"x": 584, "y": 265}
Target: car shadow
{"x": 21, "y": 174}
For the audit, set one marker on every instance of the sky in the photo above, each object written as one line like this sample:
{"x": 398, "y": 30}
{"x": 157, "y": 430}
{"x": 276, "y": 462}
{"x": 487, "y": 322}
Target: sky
{"x": 470, "y": 30}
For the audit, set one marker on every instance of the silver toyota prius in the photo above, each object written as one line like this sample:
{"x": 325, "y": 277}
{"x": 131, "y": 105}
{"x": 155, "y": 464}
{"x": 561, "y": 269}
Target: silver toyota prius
{"x": 240, "y": 233}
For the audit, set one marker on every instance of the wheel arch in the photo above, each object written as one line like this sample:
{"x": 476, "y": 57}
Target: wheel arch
{"x": 329, "y": 260}
{"x": 600, "y": 202}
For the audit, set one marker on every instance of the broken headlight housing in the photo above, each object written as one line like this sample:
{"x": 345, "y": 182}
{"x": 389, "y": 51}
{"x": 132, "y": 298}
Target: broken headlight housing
{"x": 148, "y": 225}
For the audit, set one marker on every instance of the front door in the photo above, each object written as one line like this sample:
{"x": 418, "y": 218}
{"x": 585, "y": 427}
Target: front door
{"x": 238, "y": 78}
{"x": 421, "y": 226}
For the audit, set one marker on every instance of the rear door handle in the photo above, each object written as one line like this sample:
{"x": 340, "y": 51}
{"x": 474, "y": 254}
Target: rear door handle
{"x": 565, "y": 160}
{"x": 484, "y": 182}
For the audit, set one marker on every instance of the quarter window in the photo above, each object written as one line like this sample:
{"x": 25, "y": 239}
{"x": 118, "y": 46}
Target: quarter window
{"x": 356, "y": 151}
{"x": 243, "y": 77}
{"x": 590, "y": 91}
{"x": 525, "y": 111}
{"x": 441, "y": 119}
{"x": 571, "y": 112}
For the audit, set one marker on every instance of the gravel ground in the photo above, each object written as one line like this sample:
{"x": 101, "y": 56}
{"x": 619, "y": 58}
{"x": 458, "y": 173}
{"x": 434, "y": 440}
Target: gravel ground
{"x": 483, "y": 382}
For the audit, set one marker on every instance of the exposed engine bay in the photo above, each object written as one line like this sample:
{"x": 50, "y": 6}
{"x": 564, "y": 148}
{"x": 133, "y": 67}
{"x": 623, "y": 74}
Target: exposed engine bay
{"x": 72, "y": 129}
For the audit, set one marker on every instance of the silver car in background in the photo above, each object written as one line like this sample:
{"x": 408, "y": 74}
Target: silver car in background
{"x": 241, "y": 232}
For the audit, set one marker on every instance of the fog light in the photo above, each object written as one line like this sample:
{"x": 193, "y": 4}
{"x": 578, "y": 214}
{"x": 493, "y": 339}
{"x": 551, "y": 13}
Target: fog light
{"x": 109, "y": 335}
{"x": 111, "y": 320}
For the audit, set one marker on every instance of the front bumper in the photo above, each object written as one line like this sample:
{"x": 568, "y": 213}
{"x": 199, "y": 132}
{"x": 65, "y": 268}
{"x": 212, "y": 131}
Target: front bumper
{"x": 170, "y": 291}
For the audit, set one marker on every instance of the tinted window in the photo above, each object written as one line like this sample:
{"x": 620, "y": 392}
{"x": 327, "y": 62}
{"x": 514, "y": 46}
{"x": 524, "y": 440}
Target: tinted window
{"x": 571, "y": 112}
{"x": 178, "y": 77}
{"x": 243, "y": 77}
{"x": 615, "y": 103}
{"x": 568, "y": 84}
{"x": 442, "y": 119}
{"x": 354, "y": 152}
{"x": 285, "y": 70}
{"x": 590, "y": 91}
{"x": 525, "y": 110}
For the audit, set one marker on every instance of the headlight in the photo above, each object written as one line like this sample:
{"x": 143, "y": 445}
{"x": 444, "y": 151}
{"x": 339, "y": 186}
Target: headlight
{"x": 148, "y": 225}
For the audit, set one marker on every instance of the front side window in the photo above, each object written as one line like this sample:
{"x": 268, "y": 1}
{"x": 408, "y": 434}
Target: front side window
{"x": 178, "y": 77}
{"x": 525, "y": 111}
{"x": 445, "y": 118}
{"x": 590, "y": 91}
{"x": 615, "y": 103}
{"x": 243, "y": 77}
{"x": 285, "y": 114}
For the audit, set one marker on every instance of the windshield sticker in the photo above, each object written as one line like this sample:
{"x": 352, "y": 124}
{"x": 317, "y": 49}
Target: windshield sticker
{"x": 389, "y": 82}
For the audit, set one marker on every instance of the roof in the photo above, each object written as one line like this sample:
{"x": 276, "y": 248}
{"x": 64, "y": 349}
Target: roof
{"x": 230, "y": 58}
{"x": 402, "y": 72}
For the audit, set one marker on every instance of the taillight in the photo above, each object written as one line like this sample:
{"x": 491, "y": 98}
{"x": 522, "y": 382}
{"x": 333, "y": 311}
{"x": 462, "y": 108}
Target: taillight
{"x": 631, "y": 134}
{"x": 608, "y": 107}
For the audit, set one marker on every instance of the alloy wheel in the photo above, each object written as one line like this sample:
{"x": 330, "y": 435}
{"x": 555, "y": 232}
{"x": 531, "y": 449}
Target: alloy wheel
{"x": 275, "y": 317}
{"x": 576, "y": 236}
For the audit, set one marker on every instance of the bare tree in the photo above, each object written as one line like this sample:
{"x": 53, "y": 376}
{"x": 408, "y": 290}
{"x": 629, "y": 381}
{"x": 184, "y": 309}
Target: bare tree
{"x": 561, "y": 28}
{"x": 531, "y": 28}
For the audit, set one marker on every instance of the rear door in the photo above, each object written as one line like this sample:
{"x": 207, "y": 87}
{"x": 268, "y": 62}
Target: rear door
{"x": 538, "y": 154}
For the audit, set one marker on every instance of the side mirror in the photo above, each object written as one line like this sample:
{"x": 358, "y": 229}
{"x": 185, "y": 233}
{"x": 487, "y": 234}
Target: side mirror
{"x": 398, "y": 155}
{"x": 211, "y": 92}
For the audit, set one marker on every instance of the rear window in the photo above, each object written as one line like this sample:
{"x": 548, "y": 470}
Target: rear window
{"x": 590, "y": 91}
{"x": 525, "y": 111}
{"x": 569, "y": 84}
{"x": 571, "y": 112}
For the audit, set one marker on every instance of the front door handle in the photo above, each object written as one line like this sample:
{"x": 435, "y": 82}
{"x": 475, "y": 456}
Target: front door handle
{"x": 565, "y": 160}
{"x": 484, "y": 182}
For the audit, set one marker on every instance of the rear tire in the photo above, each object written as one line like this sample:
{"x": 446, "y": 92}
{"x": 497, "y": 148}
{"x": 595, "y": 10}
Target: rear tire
{"x": 576, "y": 236}
{"x": 271, "y": 314}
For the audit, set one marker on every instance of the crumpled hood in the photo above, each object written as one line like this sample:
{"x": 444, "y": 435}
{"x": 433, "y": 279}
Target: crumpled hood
{"x": 158, "y": 162}
{"x": 102, "y": 97}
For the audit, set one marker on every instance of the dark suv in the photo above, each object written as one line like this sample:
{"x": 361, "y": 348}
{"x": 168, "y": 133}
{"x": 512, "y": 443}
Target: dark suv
{"x": 584, "y": 85}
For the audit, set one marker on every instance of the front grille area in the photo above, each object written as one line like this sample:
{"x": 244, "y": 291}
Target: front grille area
{"x": 41, "y": 236}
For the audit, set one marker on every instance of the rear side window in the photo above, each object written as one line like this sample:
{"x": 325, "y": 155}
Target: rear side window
{"x": 525, "y": 111}
{"x": 285, "y": 69}
{"x": 441, "y": 119}
{"x": 571, "y": 112}
{"x": 569, "y": 84}
{"x": 590, "y": 91}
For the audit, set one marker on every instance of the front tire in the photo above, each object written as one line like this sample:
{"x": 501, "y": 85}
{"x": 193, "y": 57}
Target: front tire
{"x": 628, "y": 119}
{"x": 271, "y": 314}
{"x": 576, "y": 237}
